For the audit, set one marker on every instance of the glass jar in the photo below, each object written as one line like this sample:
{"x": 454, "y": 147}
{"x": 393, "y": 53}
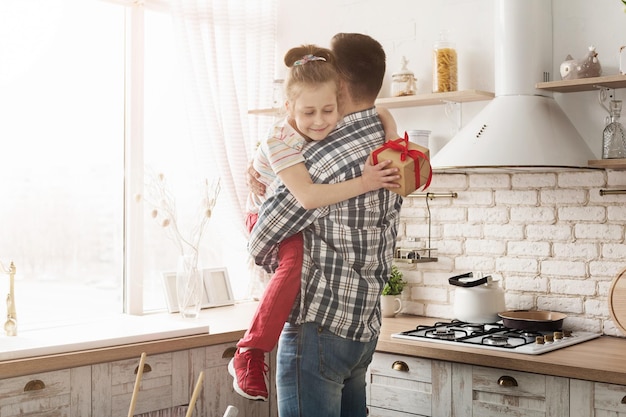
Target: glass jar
{"x": 614, "y": 136}
{"x": 403, "y": 82}
{"x": 444, "y": 65}
{"x": 419, "y": 137}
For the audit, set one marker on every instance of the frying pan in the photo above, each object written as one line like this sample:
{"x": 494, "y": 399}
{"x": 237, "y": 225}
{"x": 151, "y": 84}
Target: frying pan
{"x": 532, "y": 320}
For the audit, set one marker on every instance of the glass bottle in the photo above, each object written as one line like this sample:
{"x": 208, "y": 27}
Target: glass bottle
{"x": 444, "y": 65}
{"x": 614, "y": 136}
{"x": 403, "y": 81}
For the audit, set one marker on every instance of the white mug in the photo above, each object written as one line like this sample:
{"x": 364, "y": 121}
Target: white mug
{"x": 390, "y": 305}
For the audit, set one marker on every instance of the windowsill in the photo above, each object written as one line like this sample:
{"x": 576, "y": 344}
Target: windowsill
{"x": 119, "y": 330}
{"x": 124, "y": 330}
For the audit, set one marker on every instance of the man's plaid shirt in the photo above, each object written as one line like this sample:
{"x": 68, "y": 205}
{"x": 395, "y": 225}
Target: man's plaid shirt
{"x": 348, "y": 247}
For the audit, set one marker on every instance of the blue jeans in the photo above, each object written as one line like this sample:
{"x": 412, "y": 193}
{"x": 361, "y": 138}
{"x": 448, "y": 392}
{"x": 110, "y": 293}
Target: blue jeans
{"x": 320, "y": 374}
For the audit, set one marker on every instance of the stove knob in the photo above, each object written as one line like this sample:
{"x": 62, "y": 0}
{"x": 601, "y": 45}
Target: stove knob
{"x": 558, "y": 335}
{"x": 549, "y": 338}
{"x": 539, "y": 340}
{"x": 567, "y": 333}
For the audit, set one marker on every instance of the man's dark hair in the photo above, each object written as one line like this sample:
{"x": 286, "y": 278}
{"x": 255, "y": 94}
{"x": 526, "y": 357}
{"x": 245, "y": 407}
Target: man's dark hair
{"x": 360, "y": 62}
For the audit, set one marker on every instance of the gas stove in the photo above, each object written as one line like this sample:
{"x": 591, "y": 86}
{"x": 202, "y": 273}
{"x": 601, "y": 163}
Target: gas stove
{"x": 495, "y": 336}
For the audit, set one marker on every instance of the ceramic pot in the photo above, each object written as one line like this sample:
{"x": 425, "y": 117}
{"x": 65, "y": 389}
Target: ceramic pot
{"x": 390, "y": 305}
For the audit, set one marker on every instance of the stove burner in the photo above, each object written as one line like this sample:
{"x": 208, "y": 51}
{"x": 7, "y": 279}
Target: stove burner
{"x": 475, "y": 327}
{"x": 444, "y": 334}
{"x": 496, "y": 340}
{"x": 529, "y": 333}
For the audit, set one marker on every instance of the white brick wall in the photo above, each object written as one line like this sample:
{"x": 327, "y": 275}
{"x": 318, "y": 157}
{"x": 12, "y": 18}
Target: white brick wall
{"x": 549, "y": 237}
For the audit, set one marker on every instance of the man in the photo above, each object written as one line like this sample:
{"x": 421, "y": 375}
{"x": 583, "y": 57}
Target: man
{"x": 326, "y": 346}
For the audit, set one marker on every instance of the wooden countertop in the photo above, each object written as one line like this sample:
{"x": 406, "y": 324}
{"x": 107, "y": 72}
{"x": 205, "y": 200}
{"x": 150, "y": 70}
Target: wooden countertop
{"x": 601, "y": 360}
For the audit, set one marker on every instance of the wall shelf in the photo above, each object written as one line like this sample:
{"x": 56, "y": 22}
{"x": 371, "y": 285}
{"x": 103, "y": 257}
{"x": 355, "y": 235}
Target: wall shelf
{"x": 431, "y": 99}
{"x": 584, "y": 84}
{"x": 607, "y": 163}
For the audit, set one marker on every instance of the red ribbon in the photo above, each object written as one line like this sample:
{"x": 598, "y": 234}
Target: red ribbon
{"x": 402, "y": 146}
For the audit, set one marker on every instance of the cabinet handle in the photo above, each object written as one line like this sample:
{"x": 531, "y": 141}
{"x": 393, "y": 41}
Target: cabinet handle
{"x": 146, "y": 368}
{"x": 507, "y": 381}
{"x": 34, "y": 385}
{"x": 229, "y": 352}
{"x": 400, "y": 366}
{"x": 624, "y": 399}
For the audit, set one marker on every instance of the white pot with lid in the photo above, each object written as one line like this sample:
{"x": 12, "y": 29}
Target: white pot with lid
{"x": 477, "y": 300}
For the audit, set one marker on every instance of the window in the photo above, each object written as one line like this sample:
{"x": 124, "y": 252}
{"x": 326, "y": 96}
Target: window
{"x": 62, "y": 131}
{"x": 62, "y": 172}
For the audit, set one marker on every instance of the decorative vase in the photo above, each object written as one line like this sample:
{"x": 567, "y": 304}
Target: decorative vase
{"x": 189, "y": 286}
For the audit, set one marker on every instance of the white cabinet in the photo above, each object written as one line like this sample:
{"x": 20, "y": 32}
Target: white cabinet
{"x": 402, "y": 386}
{"x": 406, "y": 386}
{"x": 65, "y": 393}
{"x": 105, "y": 389}
{"x": 164, "y": 384}
{"x": 218, "y": 392}
{"x": 597, "y": 399}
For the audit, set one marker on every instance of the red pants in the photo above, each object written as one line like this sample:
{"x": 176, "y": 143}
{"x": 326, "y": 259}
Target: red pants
{"x": 278, "y": 297}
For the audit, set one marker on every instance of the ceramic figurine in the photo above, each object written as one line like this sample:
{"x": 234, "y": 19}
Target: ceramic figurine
{"x": 587, "y": 67}
{"x": 568, "y": 68}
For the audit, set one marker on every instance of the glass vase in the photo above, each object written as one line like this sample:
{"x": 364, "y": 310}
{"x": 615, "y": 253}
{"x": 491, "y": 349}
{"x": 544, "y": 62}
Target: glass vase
{"x": 189, "y": 286}
{"x": 614, "y": 135}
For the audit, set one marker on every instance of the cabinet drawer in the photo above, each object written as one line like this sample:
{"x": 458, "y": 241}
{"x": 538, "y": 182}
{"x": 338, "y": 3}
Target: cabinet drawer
{"x": 609, "y": 397}
{"x": 399, "y": 384}
{"x": 47, "y": 394}
{"x": 404, "y": 367}
{"x": 220, "y": 355}
{"x": 508, "y": 382}
{"x": 218, "y": 392}
{"x": 498, "y": 392}
{"x": 164, "y": 384}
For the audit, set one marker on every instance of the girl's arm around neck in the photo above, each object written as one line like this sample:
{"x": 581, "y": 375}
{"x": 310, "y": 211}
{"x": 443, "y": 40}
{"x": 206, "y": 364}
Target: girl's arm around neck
{"x": 311, "y": 195}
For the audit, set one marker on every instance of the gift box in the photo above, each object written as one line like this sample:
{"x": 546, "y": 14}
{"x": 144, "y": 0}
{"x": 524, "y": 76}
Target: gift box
{"x": 411, "y": 159}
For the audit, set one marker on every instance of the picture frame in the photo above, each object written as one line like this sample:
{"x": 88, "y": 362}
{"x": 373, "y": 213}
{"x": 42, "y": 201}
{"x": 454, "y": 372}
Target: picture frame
{"x": 217, "y": 290}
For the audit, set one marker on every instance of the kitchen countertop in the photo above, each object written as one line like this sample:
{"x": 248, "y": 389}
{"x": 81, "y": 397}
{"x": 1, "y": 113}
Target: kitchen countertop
{"x": 601, "y": 360}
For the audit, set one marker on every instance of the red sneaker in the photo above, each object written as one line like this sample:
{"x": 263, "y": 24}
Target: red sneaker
{"x": 248, "y": 370}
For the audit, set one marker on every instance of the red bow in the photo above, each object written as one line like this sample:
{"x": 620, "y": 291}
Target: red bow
{"x": 402, "y": 146}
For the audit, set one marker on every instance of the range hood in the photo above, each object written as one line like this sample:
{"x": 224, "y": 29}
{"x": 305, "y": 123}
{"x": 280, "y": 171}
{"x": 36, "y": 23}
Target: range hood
{"x": 522, "y": 127}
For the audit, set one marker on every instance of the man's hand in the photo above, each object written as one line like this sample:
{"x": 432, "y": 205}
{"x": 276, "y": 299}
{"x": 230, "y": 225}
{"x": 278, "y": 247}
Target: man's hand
{"x": 255, "y": 186}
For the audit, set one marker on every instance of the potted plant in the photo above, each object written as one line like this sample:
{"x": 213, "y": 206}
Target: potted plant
{"x": 395, "y": 285}
{"x": 390, "y": 303}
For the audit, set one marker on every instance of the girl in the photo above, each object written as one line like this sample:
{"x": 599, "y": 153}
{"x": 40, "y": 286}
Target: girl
{"x": 311, "y": 87}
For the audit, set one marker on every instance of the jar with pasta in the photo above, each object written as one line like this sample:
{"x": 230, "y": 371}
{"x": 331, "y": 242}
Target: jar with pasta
{"x": 444, "y": 65}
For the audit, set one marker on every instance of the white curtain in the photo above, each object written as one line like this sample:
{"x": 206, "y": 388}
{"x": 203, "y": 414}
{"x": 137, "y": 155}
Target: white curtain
{"x": 227, "y": 50}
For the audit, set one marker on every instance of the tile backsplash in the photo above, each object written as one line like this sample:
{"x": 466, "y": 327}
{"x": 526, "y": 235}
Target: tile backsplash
{"x": 554, "y": 242}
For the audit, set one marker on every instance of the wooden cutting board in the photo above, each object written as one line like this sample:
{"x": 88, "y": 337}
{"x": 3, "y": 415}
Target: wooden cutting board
{"x": 617, "y": 301}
